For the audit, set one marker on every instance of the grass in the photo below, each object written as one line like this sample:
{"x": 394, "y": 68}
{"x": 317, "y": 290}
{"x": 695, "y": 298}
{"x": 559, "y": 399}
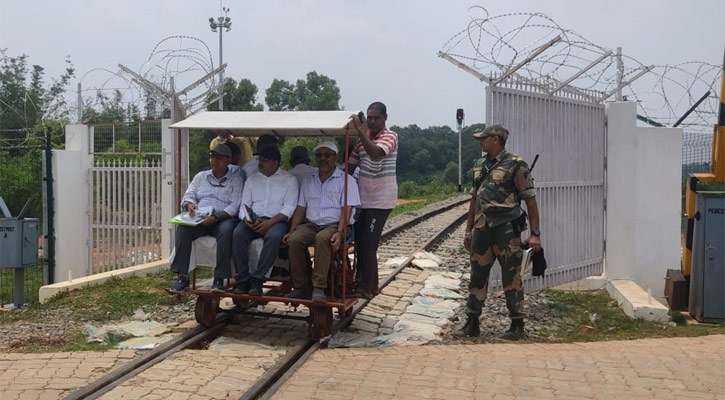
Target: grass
{"x": 416, "y": 204}
{"x": 114, "y": 300}
{"x": 32, "y": 282}
{"x": 573, "y": 310}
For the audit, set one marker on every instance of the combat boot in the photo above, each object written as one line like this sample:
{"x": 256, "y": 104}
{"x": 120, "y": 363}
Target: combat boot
{"x": 472, "y": 327}
{"x": 516, "y": 331}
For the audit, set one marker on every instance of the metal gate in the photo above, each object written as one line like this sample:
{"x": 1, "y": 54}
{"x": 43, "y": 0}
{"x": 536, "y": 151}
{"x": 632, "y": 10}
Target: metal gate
{"x": 569, "y": 134}
{"x": 125, "y": 200}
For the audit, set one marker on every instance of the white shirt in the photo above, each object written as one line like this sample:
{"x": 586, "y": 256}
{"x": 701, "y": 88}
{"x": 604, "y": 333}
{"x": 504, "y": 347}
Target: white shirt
{"x": 302, "y": 171}
{"x": 269, "y": 196}
{"x": 251, "y": 166}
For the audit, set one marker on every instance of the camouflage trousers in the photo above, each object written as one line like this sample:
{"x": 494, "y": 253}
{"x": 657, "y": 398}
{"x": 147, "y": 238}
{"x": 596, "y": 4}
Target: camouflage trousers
{"x": 487, "y": 245}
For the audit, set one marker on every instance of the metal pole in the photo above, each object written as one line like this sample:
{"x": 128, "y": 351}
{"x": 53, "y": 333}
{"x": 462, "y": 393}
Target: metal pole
{"x": 80, "y": 105}
{"x": 620, "y": 73}
{"x": 221, "y": 73}
{"x": 691, "y": 109}
{"x": 18, "y": 287}
{"x": 50, "y": 215}
{"x": 460, "y": 188}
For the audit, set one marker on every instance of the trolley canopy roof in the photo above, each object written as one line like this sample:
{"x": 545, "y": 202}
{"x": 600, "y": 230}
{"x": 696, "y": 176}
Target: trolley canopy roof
{"x": 278, "y": 123}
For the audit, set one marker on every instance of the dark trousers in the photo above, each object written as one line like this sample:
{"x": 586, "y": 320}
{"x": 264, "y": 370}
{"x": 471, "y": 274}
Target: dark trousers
{"x": 368, "y": 228}
{"x": 222, "y": 231}
{"x": 487, "y": 245}
{"x": 243, "y": 236}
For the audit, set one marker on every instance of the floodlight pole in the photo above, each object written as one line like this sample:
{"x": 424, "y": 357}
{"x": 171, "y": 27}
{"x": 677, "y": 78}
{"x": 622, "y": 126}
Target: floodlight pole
{"x": 221, "y": 22}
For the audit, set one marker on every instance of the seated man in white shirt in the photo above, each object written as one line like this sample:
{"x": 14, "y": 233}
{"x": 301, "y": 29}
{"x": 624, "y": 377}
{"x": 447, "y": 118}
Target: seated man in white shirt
{"x": 220, "y": 189}
{"x": 320, "y": 218}
{"x": 264, "y": 141}
{"x": 271, "y": 195}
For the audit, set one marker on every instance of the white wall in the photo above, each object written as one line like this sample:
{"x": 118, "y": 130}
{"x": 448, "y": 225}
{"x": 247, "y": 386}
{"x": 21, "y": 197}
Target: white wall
{"x": 643, "y": 199}
{"x": 70, "y": 169}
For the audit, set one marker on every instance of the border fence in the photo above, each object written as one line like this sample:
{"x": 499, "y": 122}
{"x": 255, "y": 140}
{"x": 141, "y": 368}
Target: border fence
{"x": 696, "y": 152}
{"x": 23, "y": 168}
{"x": 125, "y": 197}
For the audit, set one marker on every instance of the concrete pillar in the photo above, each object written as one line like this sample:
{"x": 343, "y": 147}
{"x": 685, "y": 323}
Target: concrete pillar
{"x": 168, "y": 201}
{"x": 644, "y": 167}
{"x": 71, "y": 193}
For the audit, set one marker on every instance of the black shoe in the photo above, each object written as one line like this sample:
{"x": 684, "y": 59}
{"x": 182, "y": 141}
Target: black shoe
{"x": 319, "y": 295}
{"x": 472, "y": 327}
{"x": 255, "y": 288}
{"x": 241, "y": 288}
{"x": 218, "y": 285}
{"x": 299, "y": 294}
{"x": 516, "y": 331}
{"x": 181, "y": 285}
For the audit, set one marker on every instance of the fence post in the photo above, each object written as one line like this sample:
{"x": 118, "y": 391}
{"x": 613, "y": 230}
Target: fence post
{"x": 50, "y": 237}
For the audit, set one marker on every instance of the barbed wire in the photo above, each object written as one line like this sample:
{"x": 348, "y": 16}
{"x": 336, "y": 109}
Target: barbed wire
{"x": 181, "y": 59}
{"x": 495, "y": 44}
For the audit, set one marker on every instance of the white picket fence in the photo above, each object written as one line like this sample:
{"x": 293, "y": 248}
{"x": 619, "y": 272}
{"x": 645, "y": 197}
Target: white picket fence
{"x": 125, "y": 215}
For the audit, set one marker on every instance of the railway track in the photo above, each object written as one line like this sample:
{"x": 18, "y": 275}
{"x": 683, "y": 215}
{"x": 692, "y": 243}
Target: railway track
{"x": 276, "y": 346}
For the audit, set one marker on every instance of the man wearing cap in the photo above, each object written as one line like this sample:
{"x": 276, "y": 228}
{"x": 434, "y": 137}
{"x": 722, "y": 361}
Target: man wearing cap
{"x": 221, "y": 190}
{"x": 271, "y": 195}
{"x": 300, "y": 161}
{"x": 266, "y": 140}
{"x": 375, "y": 154}
{"x": 246, "y": 145}
{"x": 320, "y": 218}
{"x": 493, "y": 229}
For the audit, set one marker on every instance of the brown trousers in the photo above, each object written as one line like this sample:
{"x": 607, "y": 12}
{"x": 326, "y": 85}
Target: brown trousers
{"x": 304, "y": 236}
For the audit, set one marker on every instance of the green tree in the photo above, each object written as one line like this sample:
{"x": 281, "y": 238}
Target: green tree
{"x": 316, "y": 92}
{"x": 238, "y": 96}
{"x": 26, "y": 102}
{"x": 28, "y": 106}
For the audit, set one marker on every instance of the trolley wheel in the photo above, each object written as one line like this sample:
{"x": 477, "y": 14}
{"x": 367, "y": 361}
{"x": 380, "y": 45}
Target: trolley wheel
{"x": 320, "y": 322}
{"x": 205, "y": 310}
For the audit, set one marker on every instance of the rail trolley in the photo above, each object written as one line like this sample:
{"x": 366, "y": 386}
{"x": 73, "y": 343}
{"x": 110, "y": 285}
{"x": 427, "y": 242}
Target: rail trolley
{"x": 341, "y": 278}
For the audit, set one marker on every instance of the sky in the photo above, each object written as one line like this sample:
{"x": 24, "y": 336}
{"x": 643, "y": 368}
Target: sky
{"x": 376, "y": 50}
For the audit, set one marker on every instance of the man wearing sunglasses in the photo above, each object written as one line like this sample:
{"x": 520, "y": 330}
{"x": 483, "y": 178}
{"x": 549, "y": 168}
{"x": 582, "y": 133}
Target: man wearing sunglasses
{"x": 320, "y": 218}
{"x": 221, "y": 190}
{"x": 245, "y": 145}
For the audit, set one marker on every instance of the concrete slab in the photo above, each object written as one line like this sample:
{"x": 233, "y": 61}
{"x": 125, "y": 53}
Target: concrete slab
{"x": 48, "y": 291}
{"x": 636, "y": 302}
{"x": 589, "y": 284}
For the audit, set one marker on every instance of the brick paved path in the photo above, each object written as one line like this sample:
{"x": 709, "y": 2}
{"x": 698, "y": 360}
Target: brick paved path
{"x": 675, "y": 368}
{"x": 54, "y": 375}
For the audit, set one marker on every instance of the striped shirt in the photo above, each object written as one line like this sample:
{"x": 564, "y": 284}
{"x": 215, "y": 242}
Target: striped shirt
{"x": 378, "y": 185}
{"x": 223, "y": 194}
{"x": 324, "y": 200}
{"x": 268, "y": 196}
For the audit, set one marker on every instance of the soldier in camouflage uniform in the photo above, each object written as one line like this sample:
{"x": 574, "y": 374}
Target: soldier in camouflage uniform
{"x": 493, "y": 230}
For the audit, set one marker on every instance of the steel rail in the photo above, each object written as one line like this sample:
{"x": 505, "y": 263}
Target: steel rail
{"x": 144, "y": 361}
{"x": 268, "y": 385}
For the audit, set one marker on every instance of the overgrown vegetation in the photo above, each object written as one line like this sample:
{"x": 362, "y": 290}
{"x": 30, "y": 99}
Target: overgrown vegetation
{"x": 115, "y": 299}
{"x": 571, "y": 311}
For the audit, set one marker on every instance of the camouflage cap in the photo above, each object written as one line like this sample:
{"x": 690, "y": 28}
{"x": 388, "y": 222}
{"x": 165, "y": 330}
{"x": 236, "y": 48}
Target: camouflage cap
{"x": 492, "y": 130}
